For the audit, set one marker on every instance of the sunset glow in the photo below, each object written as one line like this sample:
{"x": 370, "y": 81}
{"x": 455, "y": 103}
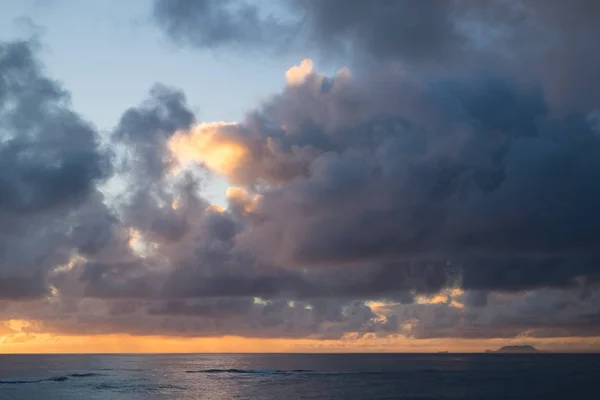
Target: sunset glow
{"x": 204, "y": 145}
{"x": 19, "y": 342}
{"x": 318, "y": 176}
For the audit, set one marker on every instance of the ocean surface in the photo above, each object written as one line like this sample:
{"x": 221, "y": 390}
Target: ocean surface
{"x": 300, "y": 376}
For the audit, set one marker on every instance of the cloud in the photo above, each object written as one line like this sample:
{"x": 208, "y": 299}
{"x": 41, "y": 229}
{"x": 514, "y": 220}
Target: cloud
{"x": 51, "y": 162}
{"x": 400, "y": 28}
{"x": 215, "y": 23}
{"x": 437, "y": 188}
{"x": 145, "y": 130}
{"x": 208, "y": 144}
{"x": 455, "y": 185}
{"x": 297, "y": 74}
{"x": 548, "y": 42}
{"x": 468, "y": 182}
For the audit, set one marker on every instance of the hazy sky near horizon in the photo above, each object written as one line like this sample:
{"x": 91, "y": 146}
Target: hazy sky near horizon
{"x": 300, "y": 175}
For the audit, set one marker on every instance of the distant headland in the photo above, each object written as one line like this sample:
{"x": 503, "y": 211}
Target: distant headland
{"x": 515, "y": 349}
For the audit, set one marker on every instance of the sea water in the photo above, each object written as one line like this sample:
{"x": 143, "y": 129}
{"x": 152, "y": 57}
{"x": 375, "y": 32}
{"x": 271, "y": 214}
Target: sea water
{"x": 300, "y": 376}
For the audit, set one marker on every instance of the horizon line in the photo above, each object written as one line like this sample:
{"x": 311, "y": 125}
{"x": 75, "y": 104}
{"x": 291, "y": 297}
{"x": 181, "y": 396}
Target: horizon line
{"x": 486, "y": 352}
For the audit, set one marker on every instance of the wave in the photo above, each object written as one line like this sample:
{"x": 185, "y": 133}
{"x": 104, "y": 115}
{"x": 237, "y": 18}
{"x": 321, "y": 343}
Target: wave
{"x": 61, "y": 378}
{"x": 288, "y": 372}
{"x": 252, "y": 371}
{"x": 85, "y": 375}
{"x": 137, "y": 387}
{"x": 123, "y": 369}
{"x": 51, "y": 379}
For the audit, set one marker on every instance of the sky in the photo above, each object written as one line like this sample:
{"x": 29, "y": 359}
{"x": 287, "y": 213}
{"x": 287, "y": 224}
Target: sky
{"x": 299, "y": 176}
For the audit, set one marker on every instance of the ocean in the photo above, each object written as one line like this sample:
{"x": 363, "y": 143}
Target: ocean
{"x": 300, "y": 376}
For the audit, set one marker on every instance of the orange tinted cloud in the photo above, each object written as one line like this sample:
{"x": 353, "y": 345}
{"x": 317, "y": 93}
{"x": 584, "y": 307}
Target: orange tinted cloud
{"x": 204, "y": 145}
{"x": 298, "y": 73}
{"x": 444, "y": 296}
{"x": 242, "y": 197}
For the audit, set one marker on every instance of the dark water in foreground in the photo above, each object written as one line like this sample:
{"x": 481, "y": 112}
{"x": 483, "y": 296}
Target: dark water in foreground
{"x": 293, "y": 376}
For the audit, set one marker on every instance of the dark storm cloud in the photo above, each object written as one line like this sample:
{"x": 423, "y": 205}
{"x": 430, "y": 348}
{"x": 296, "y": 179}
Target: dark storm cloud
{"x": 22, "y": 288}
{"x": 482, "y": 180}
{"x": 422, "y": 30}
{"x": 475, "y": 298}
{"x": 536, "y": 314}
{"x": 50, "y": 163}
{"x": 551, "y": 42}
{"x": 326, "y": 319}
{"x": 50, "y": 156}
{"x": 541, "y": 313}
{"x": 417, "y": 29}
{"x": 216, "y": 23}
{"x": 213, "y": 307}
{"x": 368, "y": 282}
{"x": 207, "y": 267}
{"x": 145, "y": 129}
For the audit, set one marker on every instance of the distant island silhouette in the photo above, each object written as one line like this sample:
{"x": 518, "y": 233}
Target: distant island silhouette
{"x": 515, "y": 349}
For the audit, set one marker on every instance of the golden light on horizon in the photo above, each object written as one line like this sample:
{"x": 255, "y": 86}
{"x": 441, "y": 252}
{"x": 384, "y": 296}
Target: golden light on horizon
{"x": 21, "y": 341}
{"x": 23, "y": 336}
{"x": 17, "y": 325}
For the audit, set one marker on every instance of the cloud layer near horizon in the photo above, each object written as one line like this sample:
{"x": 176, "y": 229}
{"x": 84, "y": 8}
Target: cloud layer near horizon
{"x": 395, "y": 197}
